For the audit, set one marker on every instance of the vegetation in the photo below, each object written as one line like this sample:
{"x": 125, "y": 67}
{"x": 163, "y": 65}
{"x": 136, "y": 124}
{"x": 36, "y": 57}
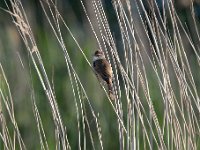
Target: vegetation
{"x": 50, "y": 97}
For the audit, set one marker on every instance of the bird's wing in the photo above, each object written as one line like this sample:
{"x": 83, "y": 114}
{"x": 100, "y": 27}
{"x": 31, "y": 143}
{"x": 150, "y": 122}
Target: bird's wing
{"x": 103, "y": 68}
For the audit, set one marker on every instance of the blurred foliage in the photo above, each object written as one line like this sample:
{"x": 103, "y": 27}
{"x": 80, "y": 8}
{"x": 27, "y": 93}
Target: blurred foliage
{"x": 24, "y": 82}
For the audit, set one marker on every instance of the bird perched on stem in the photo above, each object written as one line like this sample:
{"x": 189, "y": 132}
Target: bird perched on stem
{"x": 103, "y": 70}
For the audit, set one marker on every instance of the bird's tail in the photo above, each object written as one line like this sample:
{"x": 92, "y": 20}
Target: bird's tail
{"x": 110, "y": 91}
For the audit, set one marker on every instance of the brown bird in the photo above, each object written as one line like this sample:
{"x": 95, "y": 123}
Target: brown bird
{"x": 103, "y": 70}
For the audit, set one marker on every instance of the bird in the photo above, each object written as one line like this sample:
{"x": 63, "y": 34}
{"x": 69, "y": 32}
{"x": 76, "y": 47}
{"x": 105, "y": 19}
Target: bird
{"x": 103, "y": 70}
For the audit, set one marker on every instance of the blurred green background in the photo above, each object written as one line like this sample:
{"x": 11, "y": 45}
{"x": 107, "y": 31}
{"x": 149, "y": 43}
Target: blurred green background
{"x": 23, "y": 79}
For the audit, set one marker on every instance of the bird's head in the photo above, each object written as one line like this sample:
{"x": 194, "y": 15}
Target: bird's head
{"x": 98, "y": 55}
